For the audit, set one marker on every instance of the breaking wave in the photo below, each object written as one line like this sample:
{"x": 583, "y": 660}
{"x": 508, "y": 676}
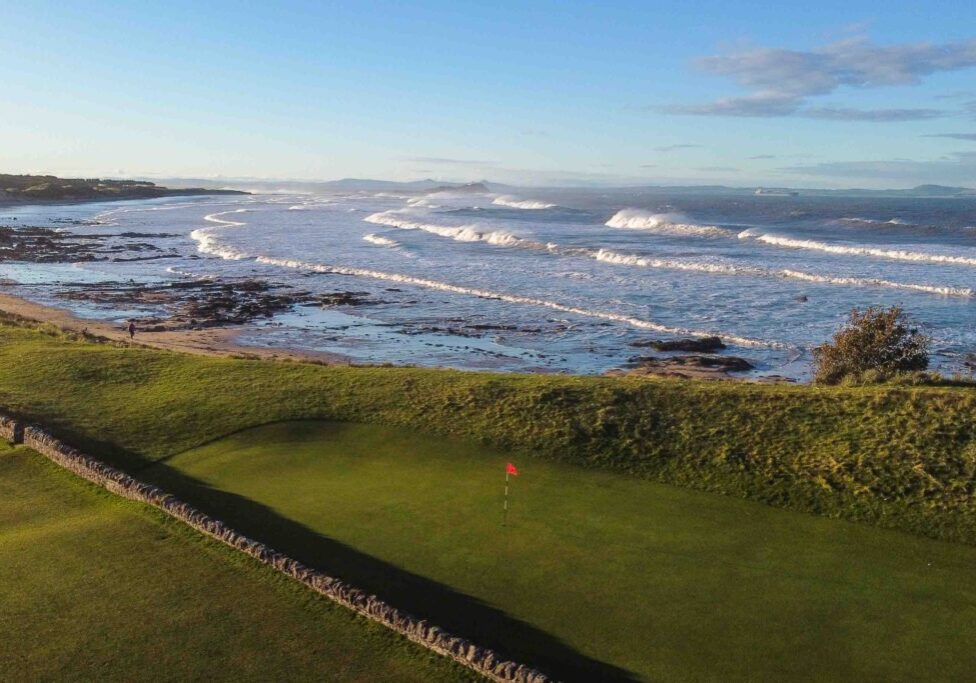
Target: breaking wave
{"x": 381, "y": 241}
{"x": 511, "y": 202}
{"x": 471, "y": 233}
{"x": 874, "y": 221}
{"x": 608, "y": 256}
{"x": 662, "y": 223}
{"x": 462, "y": 233}
{"x": 206, "y": 243}
{"x": 422, "y": 202}
{"x": 206, "y": 238}
{"x": 213, "y": 217}
{"x": 894, "y": 254}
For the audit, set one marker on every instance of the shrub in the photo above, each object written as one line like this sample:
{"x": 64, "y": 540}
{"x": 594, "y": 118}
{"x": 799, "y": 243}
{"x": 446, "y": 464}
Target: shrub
{"x": 876, "y": 344}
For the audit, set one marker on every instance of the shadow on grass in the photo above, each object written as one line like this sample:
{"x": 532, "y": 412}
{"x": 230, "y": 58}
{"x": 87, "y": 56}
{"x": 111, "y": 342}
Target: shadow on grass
{"x": 460, "y": 614}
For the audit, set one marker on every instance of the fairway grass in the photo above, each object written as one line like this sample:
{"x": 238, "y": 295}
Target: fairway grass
{"x": 96, "y": 588}
{"x": 662, "y": 582}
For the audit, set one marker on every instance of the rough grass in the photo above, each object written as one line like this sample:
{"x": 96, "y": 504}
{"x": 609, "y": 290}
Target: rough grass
{"x": 663, "y": 582}
{"x": 96, "y": 588}
{"x": 900, "y": 457}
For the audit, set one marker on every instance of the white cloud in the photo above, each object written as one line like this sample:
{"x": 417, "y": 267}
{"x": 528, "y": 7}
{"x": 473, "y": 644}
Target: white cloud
{"x": 781, "y": 81}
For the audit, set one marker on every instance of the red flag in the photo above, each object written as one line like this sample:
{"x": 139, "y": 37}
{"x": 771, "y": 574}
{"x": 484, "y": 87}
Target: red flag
{"x": 510, "y": 469}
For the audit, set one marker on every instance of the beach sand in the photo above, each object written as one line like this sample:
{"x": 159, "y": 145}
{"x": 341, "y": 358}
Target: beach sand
{"x": 215, "y": 341}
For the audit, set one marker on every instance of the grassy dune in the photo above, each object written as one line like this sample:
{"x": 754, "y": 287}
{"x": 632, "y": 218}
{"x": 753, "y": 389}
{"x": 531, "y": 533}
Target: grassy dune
{"x": 897, "y": 457}
{"x": 663, "y": 582}
{"x": 93, "y": 587}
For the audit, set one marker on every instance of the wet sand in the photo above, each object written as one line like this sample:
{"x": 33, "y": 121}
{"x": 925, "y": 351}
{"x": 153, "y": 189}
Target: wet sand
{"x": 215, "y": 341}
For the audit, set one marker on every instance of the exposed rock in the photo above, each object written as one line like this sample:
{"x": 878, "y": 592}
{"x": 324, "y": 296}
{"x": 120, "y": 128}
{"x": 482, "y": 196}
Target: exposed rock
{"x": 343, "y": 299}
{"x": 696, "y": 345}
{"x": 690, "y": 367}
{"x": 195, "y": 304}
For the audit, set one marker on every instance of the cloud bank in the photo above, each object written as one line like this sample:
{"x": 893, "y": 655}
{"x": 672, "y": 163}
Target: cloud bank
{"x": 671, "y": 148}
{"x": 782, "y": 81}
{"x": 957, "y": 168}
{"x": 954, "y": 136}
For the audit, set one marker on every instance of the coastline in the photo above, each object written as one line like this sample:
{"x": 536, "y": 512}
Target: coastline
{"x": 221, "y": 329}
{"x": 222, "y": 342}
{"x": 215, "y": 341}
{"x": 16, "y": 202}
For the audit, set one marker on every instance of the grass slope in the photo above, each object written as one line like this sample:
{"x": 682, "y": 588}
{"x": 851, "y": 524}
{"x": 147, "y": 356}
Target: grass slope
{"x": 667, "y": 583}
{"x": 897, "y": 457}
{"x": 96, "y": 588}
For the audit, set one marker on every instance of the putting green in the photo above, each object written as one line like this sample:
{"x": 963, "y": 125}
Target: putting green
{"x": 96, "y": 588}
{"x": 595, "y": 571}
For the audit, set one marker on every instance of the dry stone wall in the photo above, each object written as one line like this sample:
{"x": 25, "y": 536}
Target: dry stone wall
{"x": 479, "y": 659}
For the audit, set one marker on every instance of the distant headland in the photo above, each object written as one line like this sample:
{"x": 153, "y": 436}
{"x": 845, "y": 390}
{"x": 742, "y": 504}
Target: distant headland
{"x": 20, "y": 189}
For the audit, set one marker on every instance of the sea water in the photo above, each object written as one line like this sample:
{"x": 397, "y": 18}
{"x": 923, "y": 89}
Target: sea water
{"x": 550, "y": 280}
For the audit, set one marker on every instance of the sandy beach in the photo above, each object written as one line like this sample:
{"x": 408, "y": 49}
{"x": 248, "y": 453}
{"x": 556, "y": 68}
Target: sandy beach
{"x": 209, "y": 342}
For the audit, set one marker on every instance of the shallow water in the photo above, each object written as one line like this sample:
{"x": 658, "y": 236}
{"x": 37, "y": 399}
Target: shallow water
{"x": 553, "y": 280}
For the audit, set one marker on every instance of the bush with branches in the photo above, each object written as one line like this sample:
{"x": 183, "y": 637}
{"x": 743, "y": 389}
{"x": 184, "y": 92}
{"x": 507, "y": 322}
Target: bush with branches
{"x": 875, "y": 345}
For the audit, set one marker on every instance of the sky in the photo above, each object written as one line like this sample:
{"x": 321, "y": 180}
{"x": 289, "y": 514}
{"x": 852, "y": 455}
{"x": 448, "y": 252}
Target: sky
{"x": 825, "y": 94}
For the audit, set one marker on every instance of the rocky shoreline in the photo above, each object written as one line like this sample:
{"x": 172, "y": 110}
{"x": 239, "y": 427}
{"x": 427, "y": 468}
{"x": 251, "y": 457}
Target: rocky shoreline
{"x": 212, "y": 310}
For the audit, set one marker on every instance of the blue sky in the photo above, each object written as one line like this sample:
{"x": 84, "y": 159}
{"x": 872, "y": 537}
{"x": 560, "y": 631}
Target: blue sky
{"x": 826, "y": 94}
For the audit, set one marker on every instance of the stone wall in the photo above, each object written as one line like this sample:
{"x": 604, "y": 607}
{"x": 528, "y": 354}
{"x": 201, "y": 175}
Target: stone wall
{"x": 479, "y": 659}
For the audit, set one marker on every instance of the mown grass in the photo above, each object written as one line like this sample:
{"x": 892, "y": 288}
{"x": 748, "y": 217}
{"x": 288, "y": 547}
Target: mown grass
{"x": 659, "y": 581}
{"x": 96, "y": 588}
{"x": 900, "y": 457}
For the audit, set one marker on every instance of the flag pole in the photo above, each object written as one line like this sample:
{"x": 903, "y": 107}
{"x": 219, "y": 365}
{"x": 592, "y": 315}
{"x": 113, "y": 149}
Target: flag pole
{"x": 505, "y": 517}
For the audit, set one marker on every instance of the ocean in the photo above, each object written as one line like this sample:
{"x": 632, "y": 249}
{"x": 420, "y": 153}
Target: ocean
{"x": 545, "y": 280}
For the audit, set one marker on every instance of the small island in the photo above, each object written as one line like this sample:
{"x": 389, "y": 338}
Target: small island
{"x": 18, "y": 189}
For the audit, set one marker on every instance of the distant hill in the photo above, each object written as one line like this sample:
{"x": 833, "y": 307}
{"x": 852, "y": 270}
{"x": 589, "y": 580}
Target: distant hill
{"x": 344, "y": 185}
{"x": 28, "y": 188}
{"x": 427, "y": 185}
{"x": 467, "y": 188}
{"x": 941, "y": 191}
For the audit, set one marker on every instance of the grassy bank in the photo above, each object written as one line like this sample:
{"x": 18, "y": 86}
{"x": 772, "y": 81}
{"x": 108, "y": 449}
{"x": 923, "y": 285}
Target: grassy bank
{"x": 593, "y": 567}
{"x": 96, "y": 588}
{"x": 897, "y": 457}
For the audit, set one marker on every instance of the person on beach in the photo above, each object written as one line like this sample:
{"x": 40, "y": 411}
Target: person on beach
{"x": 132, "y": 329}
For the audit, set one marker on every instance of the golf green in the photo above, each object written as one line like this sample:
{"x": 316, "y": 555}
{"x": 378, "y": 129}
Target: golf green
{"x": 93, "y": 587}
{"x": 595, "y": 574}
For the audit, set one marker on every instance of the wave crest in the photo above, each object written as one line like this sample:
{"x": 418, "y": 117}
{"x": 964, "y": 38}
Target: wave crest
{"x": 206, "y": 243}
{"x": 462, "y": 233}
{"x": 893, "y": 254}
{"x": 381, "y": 241}
{"x": 608, "y": 256}
{"x": 662, "y": 223}
{"x": 512, "y": 202}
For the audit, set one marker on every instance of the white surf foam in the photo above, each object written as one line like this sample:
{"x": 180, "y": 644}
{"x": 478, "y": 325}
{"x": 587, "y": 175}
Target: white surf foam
{"x": 894, "y": 254}
{"x": 874, "y": 221}
{"x": 875, "y": 282}
{"x": 608, "y": 256}
{"x": 516, "y": 203}
{"x": 462, "y": 233}
{"x": 381, "y": 241}
{"x": 422, "y": 202}
{"x": 213, "y": 217}
{"x": 207, "y": 243}
{"x": 662, "y": 223}
{"x": 471, "y": 234}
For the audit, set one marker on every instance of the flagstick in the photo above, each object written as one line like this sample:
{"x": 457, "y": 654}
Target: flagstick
{"x": 505, "y": 518}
